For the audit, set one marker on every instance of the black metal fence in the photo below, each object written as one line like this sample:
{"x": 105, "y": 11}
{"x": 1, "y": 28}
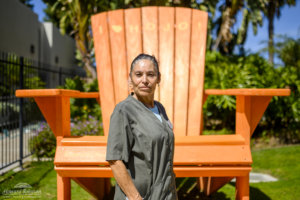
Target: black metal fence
{"x": 20, "y": 119}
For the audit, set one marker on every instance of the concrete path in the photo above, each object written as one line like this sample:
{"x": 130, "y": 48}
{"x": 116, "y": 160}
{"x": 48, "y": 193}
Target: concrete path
{"x": 260, "y": 177}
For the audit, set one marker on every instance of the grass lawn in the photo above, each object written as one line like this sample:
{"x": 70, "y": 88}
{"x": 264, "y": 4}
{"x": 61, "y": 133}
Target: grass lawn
{"x": 281, "y": 162}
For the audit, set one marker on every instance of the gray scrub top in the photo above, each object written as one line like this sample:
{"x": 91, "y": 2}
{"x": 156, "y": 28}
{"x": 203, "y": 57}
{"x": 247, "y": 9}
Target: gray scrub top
{"x": 146, "y": 146}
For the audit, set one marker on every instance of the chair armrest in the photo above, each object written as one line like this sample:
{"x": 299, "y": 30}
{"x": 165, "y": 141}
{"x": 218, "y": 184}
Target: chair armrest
{"x": 55, "y": 107}
{"x": 250, "y": 106}
{"x": 56, "y": 92}
{"x": 249, "y": 92}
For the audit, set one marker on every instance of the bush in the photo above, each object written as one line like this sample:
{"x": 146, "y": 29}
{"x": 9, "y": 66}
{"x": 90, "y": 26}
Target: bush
{"x": 223, "y": 72}
{"x": 83, "y": 108}
{"x": 282, "y": 117}
{"x": 43, "y": 144}
{"x": 90, "y": 126}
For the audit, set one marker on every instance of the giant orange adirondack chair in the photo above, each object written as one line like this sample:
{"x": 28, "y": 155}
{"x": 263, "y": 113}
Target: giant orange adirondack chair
{"x": 177, "y": 37}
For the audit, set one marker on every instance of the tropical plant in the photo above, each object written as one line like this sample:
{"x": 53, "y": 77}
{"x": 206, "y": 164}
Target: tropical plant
{"x": 272, "y": 9}
{"x": 83, "y": 108}
{"x": 73, "y": 18}
{"x": 223, "y": 72}
{"x": 288, "y": 50}
{"x": 281, "y": 119}
{"x": 227, "y": 37}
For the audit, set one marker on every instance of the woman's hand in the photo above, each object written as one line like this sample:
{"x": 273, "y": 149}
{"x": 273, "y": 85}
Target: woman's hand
{"x": 124, "y": 180}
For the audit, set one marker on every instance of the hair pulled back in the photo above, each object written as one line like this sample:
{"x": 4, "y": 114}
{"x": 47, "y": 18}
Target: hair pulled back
{"x": 143, "y": 56}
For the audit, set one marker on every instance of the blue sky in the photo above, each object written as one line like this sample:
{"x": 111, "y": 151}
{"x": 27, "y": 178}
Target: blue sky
{"x": 288, "y": 24}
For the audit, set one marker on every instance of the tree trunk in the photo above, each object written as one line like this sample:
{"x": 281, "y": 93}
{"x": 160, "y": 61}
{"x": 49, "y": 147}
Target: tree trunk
{"x": 90, "y": 70}
{"x": 85, "y": 54}
{"x": 217, "y": 43}
{"x": 271, "y": 15}
{"x": 224, "y": 34}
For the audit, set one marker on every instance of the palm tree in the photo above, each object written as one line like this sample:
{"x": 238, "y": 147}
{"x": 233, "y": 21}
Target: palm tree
{"x": 288, "y": 50}
{"x": 73, "y": 18}
{"x": 271, "y": 9}
{"x": 226, "y": 37}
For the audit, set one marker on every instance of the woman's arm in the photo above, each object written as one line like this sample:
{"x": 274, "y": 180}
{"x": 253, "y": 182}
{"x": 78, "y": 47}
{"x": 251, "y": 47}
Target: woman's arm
{"x": 124, "y": 180}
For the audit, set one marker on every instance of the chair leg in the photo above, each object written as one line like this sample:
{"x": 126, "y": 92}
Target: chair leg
{"x": 203, "y": 184}
{"x": 242, "y": 188}
{"x": 63, "y": 188}
{"x": 107, "y": 185}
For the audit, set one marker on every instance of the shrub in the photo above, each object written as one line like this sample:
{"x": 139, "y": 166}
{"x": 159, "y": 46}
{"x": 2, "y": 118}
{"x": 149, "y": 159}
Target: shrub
{"x": 282, "y": 117}
{"x": 43, "y": 144}
{"x": 90, "y": 126}
{"x": 223, "y": 72}
{"x": 83, "y": 108}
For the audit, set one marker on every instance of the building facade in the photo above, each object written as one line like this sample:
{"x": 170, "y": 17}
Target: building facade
{"x": 22, "y": 33}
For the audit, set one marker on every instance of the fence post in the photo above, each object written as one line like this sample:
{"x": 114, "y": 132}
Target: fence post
{"x": 21, "y": 86}
{"x": 60, "y": 75}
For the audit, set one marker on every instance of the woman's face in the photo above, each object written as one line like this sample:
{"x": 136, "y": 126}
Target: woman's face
{"x": 144, "y": 78}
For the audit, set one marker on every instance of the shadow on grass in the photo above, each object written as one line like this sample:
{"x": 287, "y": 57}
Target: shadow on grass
{"x": 188, "y": 190}
{"x": 43, "y": 175}
{"x": 33, "y": 174}
{"x": 258, "y": 194}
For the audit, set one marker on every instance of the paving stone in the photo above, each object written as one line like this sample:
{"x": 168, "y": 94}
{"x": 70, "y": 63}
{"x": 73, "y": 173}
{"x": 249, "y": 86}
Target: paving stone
{"x": 260, "y": 177}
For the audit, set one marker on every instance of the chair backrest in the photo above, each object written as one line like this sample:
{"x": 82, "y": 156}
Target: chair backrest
{"x": 176, "y": 37}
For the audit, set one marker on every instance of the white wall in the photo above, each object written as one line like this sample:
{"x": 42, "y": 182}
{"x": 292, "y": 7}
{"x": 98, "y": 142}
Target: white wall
{"x": 19, "y": 28}
{"x": 62, "y": 47}
{"x": 23, "y": 34}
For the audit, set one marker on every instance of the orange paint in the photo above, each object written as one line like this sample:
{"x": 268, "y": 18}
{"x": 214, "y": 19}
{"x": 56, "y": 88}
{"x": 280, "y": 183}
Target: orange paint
{"x": 121, "y": 35}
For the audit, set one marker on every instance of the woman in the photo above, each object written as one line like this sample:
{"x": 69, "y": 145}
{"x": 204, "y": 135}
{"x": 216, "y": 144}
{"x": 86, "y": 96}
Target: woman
{"x": 140, "y": 144}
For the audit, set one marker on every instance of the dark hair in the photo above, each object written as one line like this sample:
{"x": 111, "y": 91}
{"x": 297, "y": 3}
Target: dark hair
{"x": 143, "y": 56}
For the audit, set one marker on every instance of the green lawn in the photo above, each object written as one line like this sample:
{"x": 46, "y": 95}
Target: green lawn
{"x": 281, "y": 162}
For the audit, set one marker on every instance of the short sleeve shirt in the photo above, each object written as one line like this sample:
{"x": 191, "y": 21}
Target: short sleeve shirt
{"x": 146, "y": 146}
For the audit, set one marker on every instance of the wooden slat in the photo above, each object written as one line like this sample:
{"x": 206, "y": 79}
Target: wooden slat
{"x": 133, "y": 26}
{"x": 180, "y": 171}
{"x": 80, "y": 155}
{"x": 89, "y": 140}
{"x": 55, "y": 92}
{"x": 150, "y": 34}
{"x": 166, "y": 57}
{"x": 46, "y": 93}
{"x": 184, "y": 155}
{"x": 249, "y": 92}
{"x": 104, "y": 69}
{"x": 197, "y": 65}
{"x": 84, "y": 171}
{"x": 118, "y": 54}
{"x": 212, "y": 155}
{"x": 209, "y": 140}
{"x": 182, "y": 58}
{"x": 220, "y": 171}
